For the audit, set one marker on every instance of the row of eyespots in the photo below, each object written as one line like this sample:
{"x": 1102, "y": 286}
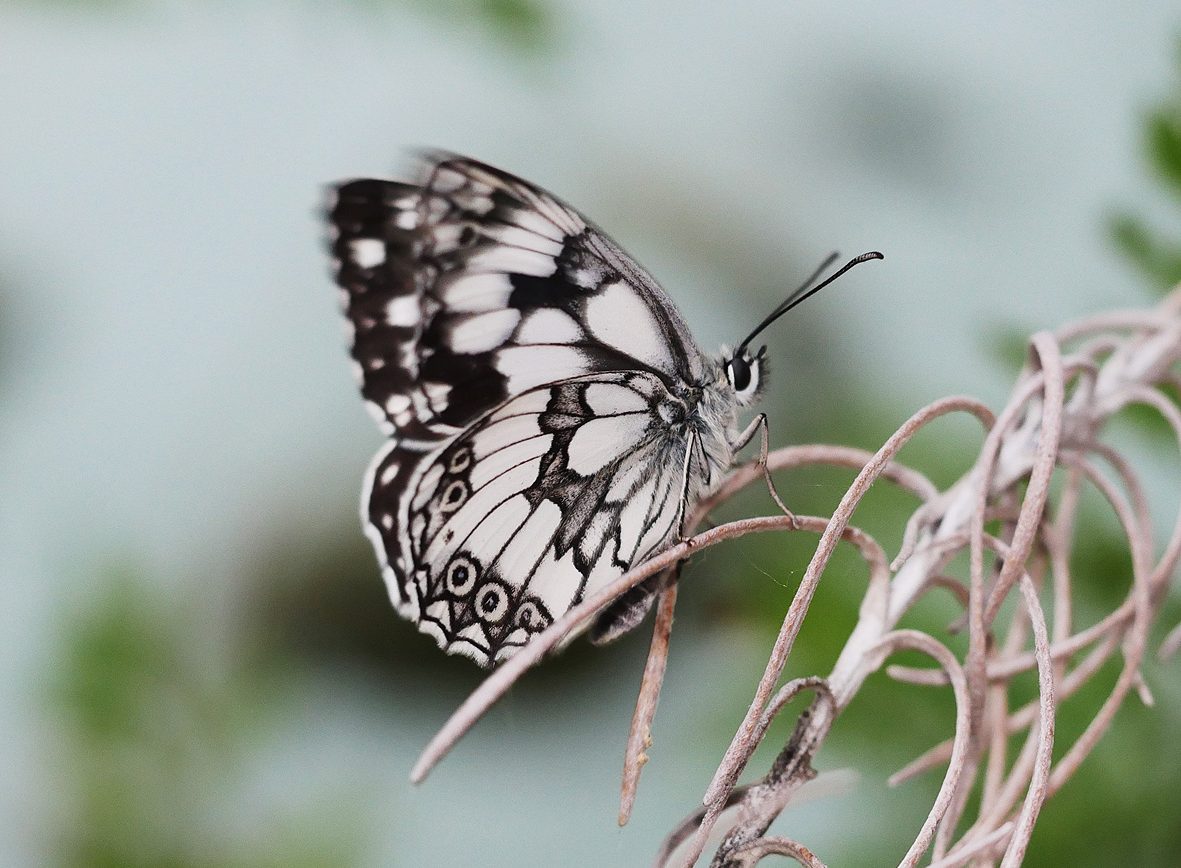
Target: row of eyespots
{"x": 492, "y": 598}
{"x": 456, "y": 492}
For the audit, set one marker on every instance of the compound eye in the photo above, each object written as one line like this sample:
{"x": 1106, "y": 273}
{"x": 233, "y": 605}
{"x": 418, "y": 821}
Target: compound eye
{"x": 739, "y": 371}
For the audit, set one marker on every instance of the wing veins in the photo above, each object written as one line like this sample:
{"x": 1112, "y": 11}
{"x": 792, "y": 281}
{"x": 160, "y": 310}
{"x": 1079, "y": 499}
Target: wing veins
{"x": 492, "y": 509}
{"x": 654, "y": 511}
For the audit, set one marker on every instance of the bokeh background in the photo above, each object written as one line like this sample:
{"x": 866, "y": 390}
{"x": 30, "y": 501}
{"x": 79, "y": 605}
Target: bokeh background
{"x": 198, "y": 665}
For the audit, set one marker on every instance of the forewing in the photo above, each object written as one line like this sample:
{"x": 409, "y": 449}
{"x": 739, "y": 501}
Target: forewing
{"x": 491, "y": 536}
{"x": 473, "y": 286}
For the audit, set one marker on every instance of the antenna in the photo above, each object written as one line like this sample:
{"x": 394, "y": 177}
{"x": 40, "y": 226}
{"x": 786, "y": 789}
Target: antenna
{"x": 804, "y": 293}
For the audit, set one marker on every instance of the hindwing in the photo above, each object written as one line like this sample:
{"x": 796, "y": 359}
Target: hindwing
{"x": 491, "y": 535}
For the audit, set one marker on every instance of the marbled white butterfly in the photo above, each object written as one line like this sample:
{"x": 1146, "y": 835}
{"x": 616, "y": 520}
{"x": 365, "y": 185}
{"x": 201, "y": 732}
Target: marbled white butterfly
{"x": 551, "y": 418}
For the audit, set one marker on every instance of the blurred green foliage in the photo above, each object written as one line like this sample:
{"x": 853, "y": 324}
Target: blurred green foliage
{"x": 154, "y": 727}
{"x": 1155, "y": 252}
{"x": 525, "y": 23}
{"x": 520, "y": 27}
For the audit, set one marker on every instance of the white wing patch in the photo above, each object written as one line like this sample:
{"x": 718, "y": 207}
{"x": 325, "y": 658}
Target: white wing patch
{"x": 513, "y": 260}
{"x": 618, "y": 318}
{"x": 611, "y": 399}
{"x": 483, "y": 332}
{"x": 549, "y": 326}
{"x": 511, "y": 235}
{"x": 527, "y": 367}
{"x": 403, "y": 310}
{"x": 474, "y": 293}
{"x": 595, "y": 444}
{"x": 368, "y": 252}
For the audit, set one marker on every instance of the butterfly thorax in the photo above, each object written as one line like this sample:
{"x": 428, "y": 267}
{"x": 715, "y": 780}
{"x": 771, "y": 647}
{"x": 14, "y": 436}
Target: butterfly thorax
{"x": 713, "y": 421}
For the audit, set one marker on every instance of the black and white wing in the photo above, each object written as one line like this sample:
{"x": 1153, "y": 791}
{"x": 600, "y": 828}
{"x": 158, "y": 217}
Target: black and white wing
{"x": 527, "y": 371}
{"x": 474, "y": 286}
{"x": 489, "y": 537}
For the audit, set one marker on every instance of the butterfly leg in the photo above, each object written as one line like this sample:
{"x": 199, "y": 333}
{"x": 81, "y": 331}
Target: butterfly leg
{"x": 684, "y": 534}
{"x": 759, "y": 425}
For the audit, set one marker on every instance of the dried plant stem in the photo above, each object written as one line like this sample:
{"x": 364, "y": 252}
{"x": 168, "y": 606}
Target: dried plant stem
{"x": 756, "y": 850}
{"x": 1037, "y": 431}
{"x": 1076, "y": 380}
{"x": 639, "y": 738}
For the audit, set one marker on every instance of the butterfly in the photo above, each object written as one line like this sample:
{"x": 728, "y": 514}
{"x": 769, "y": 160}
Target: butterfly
{"x": 551, "y": 420}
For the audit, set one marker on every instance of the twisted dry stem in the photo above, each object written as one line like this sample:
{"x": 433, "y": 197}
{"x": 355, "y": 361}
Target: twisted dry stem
{"x": 1075, "y": 381}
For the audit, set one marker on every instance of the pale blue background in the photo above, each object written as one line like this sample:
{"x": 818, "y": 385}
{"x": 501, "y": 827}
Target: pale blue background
{"x": 173, "y": 363}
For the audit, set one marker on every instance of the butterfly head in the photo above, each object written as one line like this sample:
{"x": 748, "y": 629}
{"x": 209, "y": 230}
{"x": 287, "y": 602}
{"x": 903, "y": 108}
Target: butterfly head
{"x": 746, "y": 372}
